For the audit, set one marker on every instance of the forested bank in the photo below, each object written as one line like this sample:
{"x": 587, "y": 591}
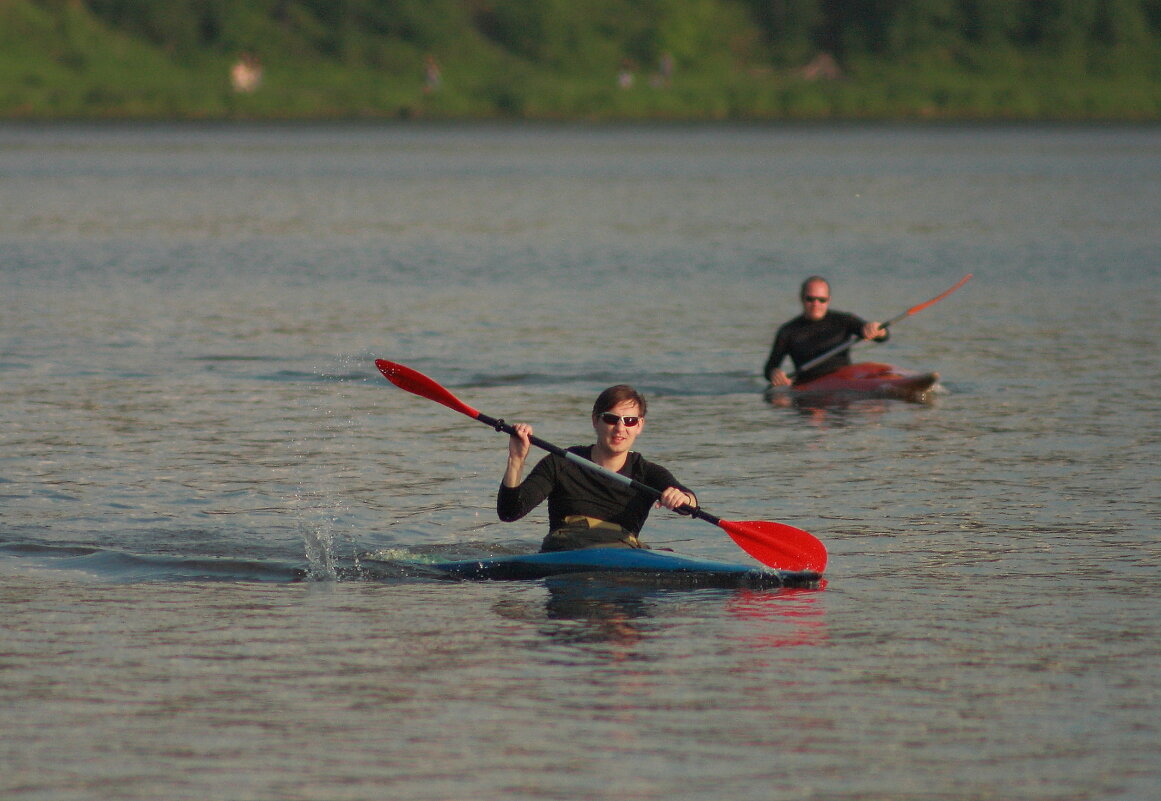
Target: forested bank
{"x": 581, "y": 59}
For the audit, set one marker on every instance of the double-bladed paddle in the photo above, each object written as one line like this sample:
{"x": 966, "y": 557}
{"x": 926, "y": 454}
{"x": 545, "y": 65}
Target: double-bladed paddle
{"x": 846, "y": 345}
{"x": 774, "y": 544}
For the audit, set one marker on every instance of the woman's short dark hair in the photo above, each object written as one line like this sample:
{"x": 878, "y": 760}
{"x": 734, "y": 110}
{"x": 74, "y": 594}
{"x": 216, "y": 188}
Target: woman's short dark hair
{"x": 618, "y": 394}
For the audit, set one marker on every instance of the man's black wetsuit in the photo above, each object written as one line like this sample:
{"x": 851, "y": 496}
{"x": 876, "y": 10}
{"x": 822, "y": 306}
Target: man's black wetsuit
{"x": 581, "y": 498}
{"x": 802, "y": 340}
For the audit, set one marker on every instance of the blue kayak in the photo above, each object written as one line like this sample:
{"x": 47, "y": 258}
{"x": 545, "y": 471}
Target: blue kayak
{"x": 662, "y": 568}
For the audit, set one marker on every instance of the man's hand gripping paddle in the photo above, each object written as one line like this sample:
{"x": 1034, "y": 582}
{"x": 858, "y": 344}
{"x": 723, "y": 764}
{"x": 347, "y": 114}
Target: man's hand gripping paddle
{"x": 774, "y": 544}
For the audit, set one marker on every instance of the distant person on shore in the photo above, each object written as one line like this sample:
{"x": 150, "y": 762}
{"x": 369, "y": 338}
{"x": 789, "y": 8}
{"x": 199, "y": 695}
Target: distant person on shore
{"x": 628, "y": 74}
{"x": 246, "y": 74}
{"x": 586, "y": 509}
{"x": 432, "y": 75}
{"x": 822, "y": 67}
{"x": 665, "y": 66}
{"x": 813, "y": 333}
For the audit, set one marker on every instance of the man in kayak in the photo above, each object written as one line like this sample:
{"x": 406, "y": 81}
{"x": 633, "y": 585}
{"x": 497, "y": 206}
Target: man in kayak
{"x": 813, "y": 333}
{"x": 586, "y": 509}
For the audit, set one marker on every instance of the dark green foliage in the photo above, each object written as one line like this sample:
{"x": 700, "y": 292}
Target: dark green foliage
{"x": 563, "y": 58}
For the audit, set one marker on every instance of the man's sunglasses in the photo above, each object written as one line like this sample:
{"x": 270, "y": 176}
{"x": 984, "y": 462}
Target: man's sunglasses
{"x": 613, "y": 419}
{"x": 812, "y": 299}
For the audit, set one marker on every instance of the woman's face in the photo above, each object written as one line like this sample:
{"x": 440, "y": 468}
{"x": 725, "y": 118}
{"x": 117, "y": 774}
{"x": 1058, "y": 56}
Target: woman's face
{"x": 618, "y": 437}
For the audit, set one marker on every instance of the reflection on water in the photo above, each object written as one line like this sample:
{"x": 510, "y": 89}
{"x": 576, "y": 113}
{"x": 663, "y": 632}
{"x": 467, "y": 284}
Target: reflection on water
{"x": 600, "y": 612}
{"x": 623, "y": 612}
{"x": 798, "y": 617}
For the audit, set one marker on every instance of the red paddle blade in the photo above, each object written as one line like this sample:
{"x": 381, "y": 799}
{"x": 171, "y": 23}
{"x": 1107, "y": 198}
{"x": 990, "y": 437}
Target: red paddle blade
{"x": 778, "y": 545}
{"x": 417, "y": 383}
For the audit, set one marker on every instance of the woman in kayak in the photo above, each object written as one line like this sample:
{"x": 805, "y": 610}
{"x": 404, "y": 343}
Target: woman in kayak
{"x": 814, "y": 332}
{"x": 586, "y": 509}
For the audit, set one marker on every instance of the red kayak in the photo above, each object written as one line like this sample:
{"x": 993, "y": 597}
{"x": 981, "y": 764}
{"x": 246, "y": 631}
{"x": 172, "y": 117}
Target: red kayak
{"x": 869, "y": 380}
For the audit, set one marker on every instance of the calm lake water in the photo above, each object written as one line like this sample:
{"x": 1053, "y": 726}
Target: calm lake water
{"x": 200, "y": 469}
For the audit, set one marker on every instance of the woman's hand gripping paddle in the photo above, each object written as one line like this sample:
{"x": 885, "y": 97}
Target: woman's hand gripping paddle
{"x": 775, "y": 544}
{"x": 846, "y": 345}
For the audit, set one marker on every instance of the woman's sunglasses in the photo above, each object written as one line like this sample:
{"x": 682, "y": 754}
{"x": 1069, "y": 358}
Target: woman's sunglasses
{"x": 613, "y": 419}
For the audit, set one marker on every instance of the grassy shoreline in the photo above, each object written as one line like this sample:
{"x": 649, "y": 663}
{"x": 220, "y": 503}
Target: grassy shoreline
{"x": 353, "y": 97}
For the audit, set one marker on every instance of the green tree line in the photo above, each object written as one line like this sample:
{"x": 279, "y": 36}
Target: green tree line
{"x": 697, "y": 59}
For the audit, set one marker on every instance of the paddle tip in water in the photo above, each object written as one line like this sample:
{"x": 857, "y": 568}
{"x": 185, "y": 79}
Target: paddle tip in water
{"x": 778, "y": 545}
